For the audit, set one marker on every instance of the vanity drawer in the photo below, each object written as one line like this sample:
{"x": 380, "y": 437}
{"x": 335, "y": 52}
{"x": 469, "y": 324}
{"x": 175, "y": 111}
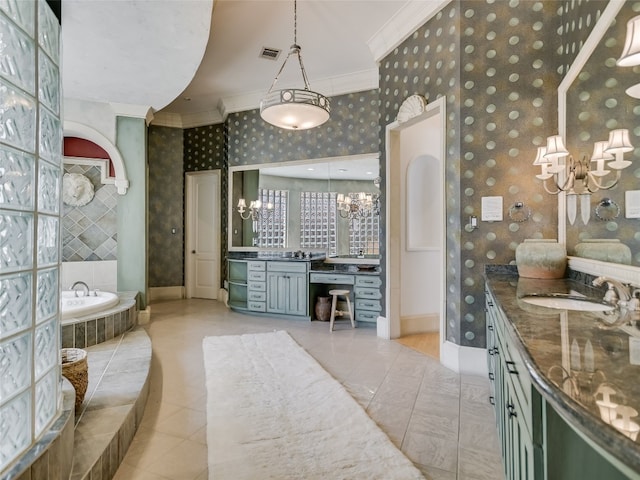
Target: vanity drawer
{"x": 257, "y": 296}
{"x": 259, "y": 276}
{"x": 371, "y": 293}
{"x": 368, "y": 281}
{"x": 256, "y": 266}
{"x": 366, "y": 304}
{"x": 336, "y": 278}
{"x": 257, "y": 306}
{"x": 257, "y": 286}
{"x": 366, "y": 316}
{"x": 288, "y": 267}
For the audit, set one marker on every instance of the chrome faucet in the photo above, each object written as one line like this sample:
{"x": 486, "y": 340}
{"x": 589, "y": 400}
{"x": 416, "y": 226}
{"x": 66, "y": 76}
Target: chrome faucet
{"x": 617, "y": 291}
{"x": 82, "y": 284}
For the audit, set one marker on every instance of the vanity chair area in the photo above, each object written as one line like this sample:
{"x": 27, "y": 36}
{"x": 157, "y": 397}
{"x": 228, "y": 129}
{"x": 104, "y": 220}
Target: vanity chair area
{"x": 298, "y": 230}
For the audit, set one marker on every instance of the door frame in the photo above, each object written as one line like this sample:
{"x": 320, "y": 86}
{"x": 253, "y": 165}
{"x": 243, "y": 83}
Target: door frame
{"x": 394, "y": 243}
{"x": 189, "y": 225}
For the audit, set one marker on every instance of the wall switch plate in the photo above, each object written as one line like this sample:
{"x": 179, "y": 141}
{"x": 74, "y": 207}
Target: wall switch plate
{"x": 491, "y": 209}
{"x": 632, "y": 203}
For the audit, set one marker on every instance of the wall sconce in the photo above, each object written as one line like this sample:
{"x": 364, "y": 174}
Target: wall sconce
{"x": 631, "y": 52}
{"x": 581, "y": 180}
{"x": 254, "y": 210}
{"x": 358, "y": 205}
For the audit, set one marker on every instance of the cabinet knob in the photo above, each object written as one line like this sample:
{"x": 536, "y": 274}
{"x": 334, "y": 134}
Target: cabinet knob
{"x": 492, "y": 400}
{"x": 193, "y": 251}
{"x": 511, "y": 410}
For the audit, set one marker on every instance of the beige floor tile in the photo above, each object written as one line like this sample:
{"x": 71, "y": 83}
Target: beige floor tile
{"x": 422, "y": 406}
{"x": 186, "y": 461}
{"x": 479, "y": 465}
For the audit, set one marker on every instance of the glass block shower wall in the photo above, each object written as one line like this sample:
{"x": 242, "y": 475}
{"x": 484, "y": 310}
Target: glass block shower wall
{"x": 30, "y": 176}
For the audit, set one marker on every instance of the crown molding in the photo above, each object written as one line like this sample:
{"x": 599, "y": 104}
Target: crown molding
{"x": 398, "y": 28}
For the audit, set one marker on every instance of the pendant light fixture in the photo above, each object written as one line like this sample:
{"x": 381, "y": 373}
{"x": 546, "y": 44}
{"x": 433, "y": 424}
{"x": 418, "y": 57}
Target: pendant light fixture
{"x": 294, "y": 108}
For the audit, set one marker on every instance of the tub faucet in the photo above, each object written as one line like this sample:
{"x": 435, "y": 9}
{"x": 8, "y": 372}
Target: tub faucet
{"x": 617, "y": 291}
{"x": 82, "y": 284}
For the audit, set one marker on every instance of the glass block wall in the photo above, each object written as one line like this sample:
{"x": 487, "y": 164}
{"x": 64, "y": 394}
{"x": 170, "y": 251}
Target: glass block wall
{"x": 30, "y": 178}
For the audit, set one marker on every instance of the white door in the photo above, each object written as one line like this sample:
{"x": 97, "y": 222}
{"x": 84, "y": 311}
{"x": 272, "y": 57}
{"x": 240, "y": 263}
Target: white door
{"x": 202, "y": 242}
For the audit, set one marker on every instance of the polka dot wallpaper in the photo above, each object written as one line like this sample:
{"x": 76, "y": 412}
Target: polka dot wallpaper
{"x": 498, "y": 64}
{"x": 492, "y": 62}
{"x": 352, "y": 129}
{"x": 596, "y": 104}
{"x": 166, "y": 207}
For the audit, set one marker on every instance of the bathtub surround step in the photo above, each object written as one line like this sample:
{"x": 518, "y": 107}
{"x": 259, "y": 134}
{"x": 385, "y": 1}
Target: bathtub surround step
{"x": 113, "y": 406}
{"x": 99, "y": 327}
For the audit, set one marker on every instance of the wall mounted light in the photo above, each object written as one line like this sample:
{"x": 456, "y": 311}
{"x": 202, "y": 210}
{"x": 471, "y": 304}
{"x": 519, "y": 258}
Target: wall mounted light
{"x": 254, "y": 211}
{"x": 631, "y": 52}
{"x": 577, "y": 178}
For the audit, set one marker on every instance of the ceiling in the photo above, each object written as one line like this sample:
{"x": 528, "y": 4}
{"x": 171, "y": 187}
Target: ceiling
{"x": 193, "y": 67}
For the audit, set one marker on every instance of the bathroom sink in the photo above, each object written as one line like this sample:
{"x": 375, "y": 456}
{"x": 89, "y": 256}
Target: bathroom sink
{"x": 568, "y": 303}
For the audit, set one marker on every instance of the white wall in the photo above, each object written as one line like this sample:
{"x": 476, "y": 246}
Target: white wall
{"x": 101, "y": 275}
{"x": 421, "y": 257}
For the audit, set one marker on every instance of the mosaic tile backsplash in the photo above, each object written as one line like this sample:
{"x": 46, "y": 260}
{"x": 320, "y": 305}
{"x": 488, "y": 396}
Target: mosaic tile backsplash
{"x": 89, "y": 232}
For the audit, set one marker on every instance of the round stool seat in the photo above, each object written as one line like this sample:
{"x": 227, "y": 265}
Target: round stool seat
{"x": 339, "y": 292}
{"x": 334, "y": 303}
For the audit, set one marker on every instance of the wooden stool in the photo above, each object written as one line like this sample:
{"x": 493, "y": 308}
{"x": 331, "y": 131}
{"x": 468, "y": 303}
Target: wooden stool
{"x": 335, "y": 294}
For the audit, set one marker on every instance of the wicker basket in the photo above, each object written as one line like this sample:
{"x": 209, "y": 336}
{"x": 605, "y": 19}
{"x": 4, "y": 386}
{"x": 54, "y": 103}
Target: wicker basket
{"x": 76, "y": 370}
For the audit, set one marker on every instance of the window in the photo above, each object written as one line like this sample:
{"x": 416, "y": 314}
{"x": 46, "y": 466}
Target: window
{"x": 271, "y": 225}
{"x": 364, "y": 235}
{"x": 318, "y": 221}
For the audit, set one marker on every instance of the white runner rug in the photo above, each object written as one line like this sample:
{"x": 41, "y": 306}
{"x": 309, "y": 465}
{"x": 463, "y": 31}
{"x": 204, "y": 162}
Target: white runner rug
{"x": 274, "y": 413}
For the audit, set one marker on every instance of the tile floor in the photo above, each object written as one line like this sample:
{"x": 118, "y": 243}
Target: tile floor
{"x": 442, "y": 421}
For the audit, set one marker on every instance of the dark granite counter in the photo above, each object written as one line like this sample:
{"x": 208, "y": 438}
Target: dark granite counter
{"x": 281, "y": 256}
{"x": 585, "y": 364}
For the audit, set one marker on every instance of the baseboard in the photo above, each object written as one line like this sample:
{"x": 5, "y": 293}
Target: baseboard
{"x": 467, "y": 360}
{"x": 426, "y": 323}
{"x": 157, "y": 294}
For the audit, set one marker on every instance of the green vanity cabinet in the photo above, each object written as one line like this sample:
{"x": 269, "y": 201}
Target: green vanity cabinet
{"x": 513, "y": 398}
{"x": 256, "y": 286}
{"x": 542, "y": 435}
{"x": 237, "y": 284}
{"x": 367, "y": 298}
{"x": 287, "y": 288}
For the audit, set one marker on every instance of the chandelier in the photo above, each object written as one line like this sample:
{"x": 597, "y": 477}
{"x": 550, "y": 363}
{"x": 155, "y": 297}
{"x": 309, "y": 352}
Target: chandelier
{"x": 254, "y": 211}
{"x": 294, "y": 108}
{"x": 579, "y": 178}
{"x": 358, "y": 205}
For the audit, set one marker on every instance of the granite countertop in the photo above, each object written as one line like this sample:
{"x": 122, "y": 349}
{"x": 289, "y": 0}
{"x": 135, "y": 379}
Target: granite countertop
{"x": 281, "y": 256}
{"x": 358, "y": 269}
{"x": 550, "y": 340}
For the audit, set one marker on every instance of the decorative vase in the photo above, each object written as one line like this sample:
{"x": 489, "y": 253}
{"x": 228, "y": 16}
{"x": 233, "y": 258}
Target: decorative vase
{"x": 605, "y": 250}
{"x": 76, "y": 370}
{"x": 541, "y": 259}
{"x": 323, "y": 309}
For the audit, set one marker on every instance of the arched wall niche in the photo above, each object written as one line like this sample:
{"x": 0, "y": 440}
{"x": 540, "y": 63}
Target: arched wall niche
{"x": 118, "y": 176}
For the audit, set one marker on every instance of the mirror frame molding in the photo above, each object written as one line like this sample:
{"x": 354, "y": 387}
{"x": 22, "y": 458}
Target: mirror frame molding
{"x": 627, "y": 273}
{"x": 257, "y": 166}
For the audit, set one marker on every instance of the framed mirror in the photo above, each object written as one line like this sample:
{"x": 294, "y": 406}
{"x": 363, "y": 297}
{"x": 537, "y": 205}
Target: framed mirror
{"x": 306, "y": 205}
{"x": 593, "y": 101}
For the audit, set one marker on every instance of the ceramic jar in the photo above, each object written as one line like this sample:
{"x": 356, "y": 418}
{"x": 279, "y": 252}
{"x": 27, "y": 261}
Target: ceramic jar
{"x": 541, "y": 258}
{"x": 323, "y": 309}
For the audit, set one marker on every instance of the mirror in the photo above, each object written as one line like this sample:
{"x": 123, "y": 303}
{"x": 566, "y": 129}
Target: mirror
{"x": 596, "y": 102}
{"x": 298, "y": 207}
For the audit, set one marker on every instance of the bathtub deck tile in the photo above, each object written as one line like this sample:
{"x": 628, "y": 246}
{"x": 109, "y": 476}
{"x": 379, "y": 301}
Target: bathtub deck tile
{"x": 100, "y": 334}
{"x": 91, "y": 333}
{"x": 67, "y": 336}
{"x": 80, "y": 338}
{"x": 108, "y": 327}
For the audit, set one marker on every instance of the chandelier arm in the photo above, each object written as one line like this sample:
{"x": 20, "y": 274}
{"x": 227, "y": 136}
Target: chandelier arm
{"x": 275, "y": 80}
{"x": 558, "y": 190}
{"x": 605, "y": 187}
{"x": 304, "y": 72}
